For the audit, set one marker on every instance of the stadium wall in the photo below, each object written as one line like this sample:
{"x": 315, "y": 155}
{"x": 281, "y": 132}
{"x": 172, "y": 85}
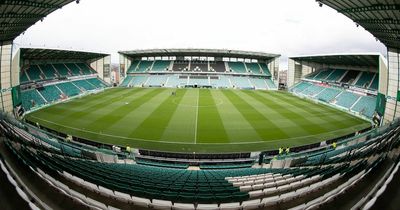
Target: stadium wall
{"x": 392, "y": 109}
{"x": 6, "y": 104}
{"x": 103, "y": 68}
{"x": 124, "y": 64}
{"x": 273, "y": 66}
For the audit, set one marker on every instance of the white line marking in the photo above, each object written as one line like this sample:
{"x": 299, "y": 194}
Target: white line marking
{"x": 186, "y": 143}
{"x": 197, "y": 117}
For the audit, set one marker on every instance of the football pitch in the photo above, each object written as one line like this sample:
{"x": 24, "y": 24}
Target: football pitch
{"x": 197, "y": 120}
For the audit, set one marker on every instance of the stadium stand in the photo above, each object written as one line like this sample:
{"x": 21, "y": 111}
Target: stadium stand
{"x": 375, "y": 83}
{"x": 313, "y": 90}
{"x": 271, "y": 84}
{"x": 49, "y": 71}
{"x": 336, "y": 75}
{"x": 161, "y": 65}
{"x": 153, "y": 184}
{"x": 23, "y": 77}
{"x": 83, "y": 85}
{"x": 31, "y": 98}
{"x": 217, "y": 66}
{"x": 62, "y": 69}
{"x": 138, "y": 81}
{"x": 197, "y": 66}
{"x": 198, "y": 80}
{"x": 69, "y": 89}
{"x": 156, "y": 81}
{"x": 346, "y": 99}
{"x": 85, "y": 68}
{"x": 73, "y": 68}
{"x": 323, "y": 74}
{"x": 98, "y": 83}
{"x": 133, "y": 66}
{"x": 144, "y": 66}
{"x": 364, "y": 80}
{"x": 237, "y": 67}
{"x": 259, "y": 83}
{"x": 34, "y": 73}
{"x": 366, "y": 106}
{"x": 265, "y": 69}
{"x": 253, "y": 67}
{"x": 172, "y": 81}
{"x": 51, "y": 93}
{"x": 300, "y": 87}
{"x": 328, "y": 94}
{"x": 350, "y": 77}
{"x": 241, "y": 82}
{"x": 220, "y": 82}
{"x": 126, "y": 81}
{"x": 181, "y": 65}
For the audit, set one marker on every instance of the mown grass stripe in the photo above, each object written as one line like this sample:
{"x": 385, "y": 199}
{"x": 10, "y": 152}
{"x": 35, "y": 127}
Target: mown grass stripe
{"x": 278, "y": 118}
{"x": 154, "y": 126}
{"x": 236, "y": 126}
{"x": 262, "y": 125}
{"x": 301, "y": 120}
{"x": 124, "y": 108}
{"x": 71, "y": 109}
{"x": 210, "y": 128}
{"x": 181, "y": 127}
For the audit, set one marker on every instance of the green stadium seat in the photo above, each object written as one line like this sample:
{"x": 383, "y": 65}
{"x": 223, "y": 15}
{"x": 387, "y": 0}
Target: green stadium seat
{"x": 34, "y": 73}
{"x": 61, "y": 69}
{"x": 50, "y": 93}
{"x": 160, "y": 66}
{"x": 74, "y": 69}
{"x": 69, "y": 89}
{"x": 84, "y": 84}
{"x": 253, "y": 68}
{"x": 366, "y": 106}
{"x": 265, "y": 69}
{"x": 375, "y": 83}
{"x": 31, "y": 98}
{"x": 49, "y": 71}
{"x": 364, "y": 80}
{"x": 346, "y": 99}
{"x": 86, "y": 70}
{"x": 237, "y": 67}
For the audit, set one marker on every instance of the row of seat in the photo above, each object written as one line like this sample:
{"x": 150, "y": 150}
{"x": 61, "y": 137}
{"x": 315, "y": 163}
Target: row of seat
{"x": 236, "y": 67}
{"x": 52, "y": 93}
{"x": 52, "y": 71}
{"x": 221, "y": 82}
{"x": 361, "y": 79}
{"x": 364, "y": 105}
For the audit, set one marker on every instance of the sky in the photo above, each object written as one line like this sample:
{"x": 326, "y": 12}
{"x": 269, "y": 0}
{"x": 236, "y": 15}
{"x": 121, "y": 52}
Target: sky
{"x": 285, "y": 27}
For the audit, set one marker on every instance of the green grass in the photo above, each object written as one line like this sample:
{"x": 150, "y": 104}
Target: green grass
{"x": 197, "y": 120}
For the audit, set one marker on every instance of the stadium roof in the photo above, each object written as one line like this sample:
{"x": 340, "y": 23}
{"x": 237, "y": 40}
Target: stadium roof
{"x": 360, "y": 59}
{"x": 199, "y": 52}
{"x": 56, "y": 54}
{"x": 18, "y": 15}
{"x": 379, "y": 17}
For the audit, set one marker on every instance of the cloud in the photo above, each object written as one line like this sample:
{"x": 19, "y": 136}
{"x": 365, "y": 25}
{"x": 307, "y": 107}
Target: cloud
{"x": 287, "y": 27}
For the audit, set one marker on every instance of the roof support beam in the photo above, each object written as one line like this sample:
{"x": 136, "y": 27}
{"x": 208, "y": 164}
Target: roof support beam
{"x": 376, "y": 7}
{"x": 29, "y": 4}
{"x": 15, "y": 15}
{"x": 377, "y": 21}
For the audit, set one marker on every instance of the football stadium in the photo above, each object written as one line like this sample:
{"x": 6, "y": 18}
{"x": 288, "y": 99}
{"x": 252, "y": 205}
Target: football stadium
{"x": 197, "y": 128}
